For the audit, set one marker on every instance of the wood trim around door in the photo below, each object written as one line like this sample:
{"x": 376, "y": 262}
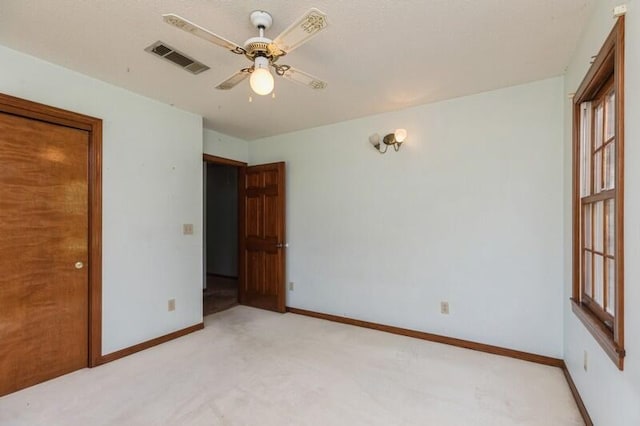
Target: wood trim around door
{"x": 49, "y": 114}
{"x": 223, "y": 161}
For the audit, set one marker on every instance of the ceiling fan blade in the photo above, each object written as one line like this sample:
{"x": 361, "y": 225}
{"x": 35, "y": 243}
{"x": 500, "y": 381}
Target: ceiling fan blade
{"x": 304, "y": 78}
{"x": 234, "y": 80}
{"x": 301, "y": 31}
{"x": 198, "y": 31}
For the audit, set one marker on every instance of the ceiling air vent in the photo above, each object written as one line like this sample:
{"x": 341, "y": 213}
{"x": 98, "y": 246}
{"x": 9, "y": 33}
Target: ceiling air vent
{"x": 170, "y": 54}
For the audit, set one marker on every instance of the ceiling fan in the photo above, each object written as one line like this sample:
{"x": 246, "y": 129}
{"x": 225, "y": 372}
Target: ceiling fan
{"x": 262, "y": 51}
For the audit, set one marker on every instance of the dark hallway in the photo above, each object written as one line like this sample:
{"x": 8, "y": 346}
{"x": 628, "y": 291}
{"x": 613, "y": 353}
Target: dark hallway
{"x": 220, "y": 291}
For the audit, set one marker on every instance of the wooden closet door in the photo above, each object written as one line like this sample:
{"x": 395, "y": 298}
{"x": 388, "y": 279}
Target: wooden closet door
{"x": 43, "y": 251}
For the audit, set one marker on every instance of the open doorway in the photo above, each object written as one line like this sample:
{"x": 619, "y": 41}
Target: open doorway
{"x": 221, "y": 234}
{"x": 244, "y": 235}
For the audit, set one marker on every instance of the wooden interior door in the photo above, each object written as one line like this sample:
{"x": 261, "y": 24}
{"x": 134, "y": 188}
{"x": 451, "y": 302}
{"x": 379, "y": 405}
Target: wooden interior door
{"x": 262, "y": 273}
{"x": 43, "y": 251}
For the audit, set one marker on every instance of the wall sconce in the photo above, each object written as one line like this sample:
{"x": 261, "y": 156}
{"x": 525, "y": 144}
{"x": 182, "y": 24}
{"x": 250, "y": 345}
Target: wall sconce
{"x": 395, "y": 139}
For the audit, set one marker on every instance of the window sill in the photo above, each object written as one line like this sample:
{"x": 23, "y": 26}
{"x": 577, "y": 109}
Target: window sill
{"x": 602, "y": 334}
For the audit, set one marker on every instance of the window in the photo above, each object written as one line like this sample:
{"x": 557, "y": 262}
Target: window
{"x": 598, "y": 135}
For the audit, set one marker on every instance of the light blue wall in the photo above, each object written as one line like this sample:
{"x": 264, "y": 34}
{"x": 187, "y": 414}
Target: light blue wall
{"x": 469, "y": 211}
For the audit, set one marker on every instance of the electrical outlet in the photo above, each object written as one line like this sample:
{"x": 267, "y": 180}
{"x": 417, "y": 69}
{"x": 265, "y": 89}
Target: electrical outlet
{"x": 187, "y": 229}
{"x": 585, "y": 364}
{"x": 290, "y": 285}
{"x": 444, "y": 308}
{"x": 171, "y": 305}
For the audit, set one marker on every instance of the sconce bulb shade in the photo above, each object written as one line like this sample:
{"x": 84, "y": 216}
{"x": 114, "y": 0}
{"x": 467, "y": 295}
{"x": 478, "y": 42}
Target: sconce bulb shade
{"x": 374, "y": 140}
{"x": 400, "y": 135}
{"x": 261, "y": 81}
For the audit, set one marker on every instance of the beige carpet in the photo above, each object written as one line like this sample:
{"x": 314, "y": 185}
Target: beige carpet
{"x": 253, "y": 367}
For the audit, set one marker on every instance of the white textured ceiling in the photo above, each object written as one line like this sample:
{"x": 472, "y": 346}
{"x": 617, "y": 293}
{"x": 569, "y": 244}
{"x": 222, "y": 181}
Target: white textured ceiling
{"x": 376, "y": 55}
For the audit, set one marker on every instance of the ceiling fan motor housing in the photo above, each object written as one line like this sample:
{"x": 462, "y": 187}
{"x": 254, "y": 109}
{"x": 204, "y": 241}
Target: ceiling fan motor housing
{"x": 257, "y": 46}
{"x": 261, "y": 46}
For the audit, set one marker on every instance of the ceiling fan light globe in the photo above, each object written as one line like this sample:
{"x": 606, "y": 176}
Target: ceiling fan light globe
{"x": 261, "y": 81}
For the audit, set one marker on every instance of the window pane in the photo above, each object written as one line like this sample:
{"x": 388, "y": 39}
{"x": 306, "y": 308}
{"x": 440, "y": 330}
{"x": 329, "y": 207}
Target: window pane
{"x": 598, "y": 279}
{"x": 611, "y": 287}
{"x": 610, "y": 111}
{"x": 587, "y": 273}
{"x": 585, "y": 149}
{"x": 588, "y": 238}
{"x": 597, "y": 172}
{"x": 597, "y": 126}
{"x": 598, "y": 226}
{"x": 609, "y": 166}
{"x": 610, "y": 236}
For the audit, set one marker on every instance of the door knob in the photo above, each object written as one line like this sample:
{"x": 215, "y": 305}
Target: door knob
{"x": 281, "y": 245}
{"x": 79, "y": 265}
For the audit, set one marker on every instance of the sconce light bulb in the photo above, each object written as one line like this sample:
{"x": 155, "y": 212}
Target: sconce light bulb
{"x": 400, "y": 135}
{"x": 375, "y": 140}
